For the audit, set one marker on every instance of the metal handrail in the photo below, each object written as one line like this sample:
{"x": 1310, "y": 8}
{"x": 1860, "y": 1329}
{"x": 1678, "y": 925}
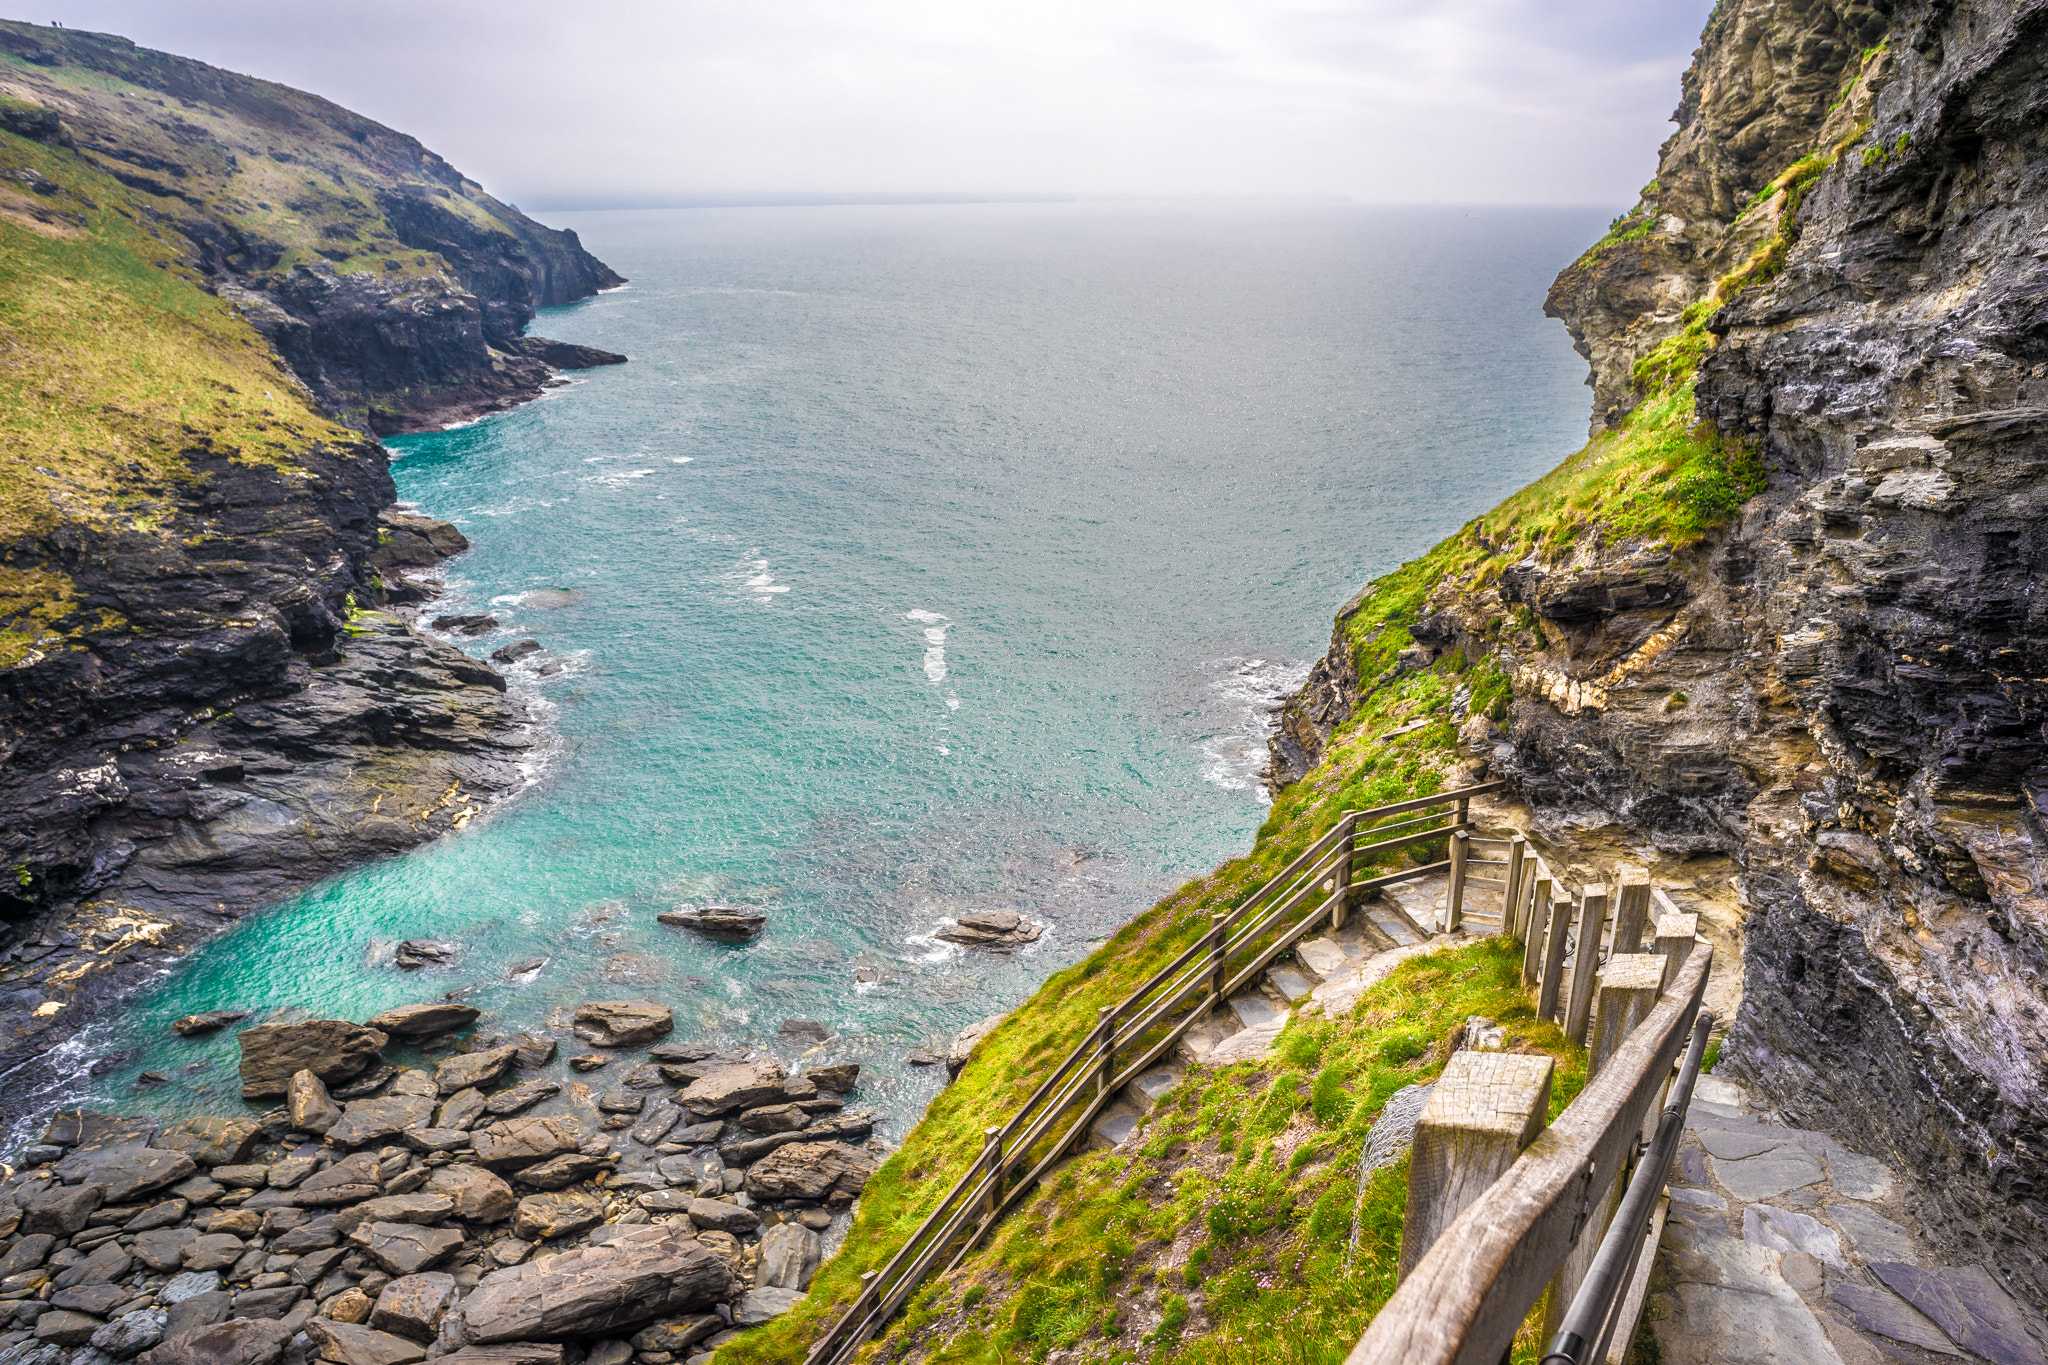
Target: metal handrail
{"x": 1033, "y": 1121}
{"x": 1588, "y": 1327}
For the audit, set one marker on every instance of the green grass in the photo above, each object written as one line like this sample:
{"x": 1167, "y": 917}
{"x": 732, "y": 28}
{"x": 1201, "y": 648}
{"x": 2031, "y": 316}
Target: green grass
{"x": 115, "y": 365}
{"x": 1229, "y": 1231}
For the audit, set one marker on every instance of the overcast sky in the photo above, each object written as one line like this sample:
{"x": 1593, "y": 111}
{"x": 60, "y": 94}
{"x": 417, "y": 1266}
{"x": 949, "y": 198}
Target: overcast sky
{"x": 634, "y": 101}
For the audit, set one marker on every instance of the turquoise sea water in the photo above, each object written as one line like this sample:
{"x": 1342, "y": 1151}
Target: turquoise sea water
{"x": 922, "y": 559}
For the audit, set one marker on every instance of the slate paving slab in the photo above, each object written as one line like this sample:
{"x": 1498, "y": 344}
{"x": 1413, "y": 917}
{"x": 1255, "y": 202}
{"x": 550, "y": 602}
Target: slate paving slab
{"x": 1783, "y": 1245}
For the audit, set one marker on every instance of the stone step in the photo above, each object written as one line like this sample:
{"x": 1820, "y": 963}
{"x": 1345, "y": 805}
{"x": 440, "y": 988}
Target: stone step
{"x": 1396, "y": 930}
{"x": 1113, "y": 1126}
{"x": 1422, "y": 900}
{"x": 1254, "y": 1008}
{"x": 1323, "y": 956}
{"x": 1203, "y": 1036}
{"x": 1291, "y": 983}
{"x": 1147, "y": 1088}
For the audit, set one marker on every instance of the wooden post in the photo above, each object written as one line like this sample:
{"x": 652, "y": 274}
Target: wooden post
{"x": 1675, "y": 936}
{"x": 1340, "y": 907}
{"x": 1454, "y": 898}
{"x": 1553, "y": 957}
{"x": 1105, "y": 1032}
{"x": 1631, "y": 908}
{"x": 1216, "y": 944}
{"x": 1629, "y": 986}
{"x": 1487, "y": 1106}
{"x": 1511, "y": 893}
{"x": 1585, "y": 962}
{"x": 1538, "y": 917}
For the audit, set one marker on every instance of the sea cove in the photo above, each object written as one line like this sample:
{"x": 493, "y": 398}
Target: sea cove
{"x": 922, "y": 560}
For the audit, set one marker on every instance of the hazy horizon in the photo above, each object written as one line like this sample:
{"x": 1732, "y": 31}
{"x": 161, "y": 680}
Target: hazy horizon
{"x": 1459, "y": 102}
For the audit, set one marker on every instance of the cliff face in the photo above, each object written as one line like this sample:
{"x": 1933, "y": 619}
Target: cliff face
{"x": 209, "y": 695}
{"x": 396, "y": 288}
{"x": 1840, "y": 676}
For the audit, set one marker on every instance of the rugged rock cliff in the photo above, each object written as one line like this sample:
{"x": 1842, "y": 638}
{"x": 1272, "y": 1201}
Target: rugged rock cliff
{"x": 394, "y": 286}
{"x": 209, "y": 287}
{"x": 1787, "y": 604}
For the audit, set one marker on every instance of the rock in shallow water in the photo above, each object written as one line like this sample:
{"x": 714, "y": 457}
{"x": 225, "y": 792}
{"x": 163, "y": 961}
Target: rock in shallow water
{"x": 622, "y": 1023}
{"x": 332, "y": 1049}
{"x": 991, "y": 929}
{"x": 725, "y": 923}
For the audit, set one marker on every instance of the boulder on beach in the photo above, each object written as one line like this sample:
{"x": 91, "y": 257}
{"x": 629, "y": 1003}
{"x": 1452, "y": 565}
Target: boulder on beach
{"x": 514, "y": 652}
{"x": 809, "y": 1172}
{"x": 409, "y": 1022}
{"x": 740, "y": 1085}
{"x": 622, "y": 1023}
{"x": 639, "y": 1276}
{"x": 991, "y": 929}
{"x": 725, "y": 923}
{"x": 332, "y": 1049}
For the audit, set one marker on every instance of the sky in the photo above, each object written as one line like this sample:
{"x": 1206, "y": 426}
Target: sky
{"x": 577, "y": 103}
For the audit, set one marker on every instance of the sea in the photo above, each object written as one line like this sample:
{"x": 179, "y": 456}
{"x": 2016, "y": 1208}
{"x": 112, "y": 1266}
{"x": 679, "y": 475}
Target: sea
{"x": 924, "y": 559}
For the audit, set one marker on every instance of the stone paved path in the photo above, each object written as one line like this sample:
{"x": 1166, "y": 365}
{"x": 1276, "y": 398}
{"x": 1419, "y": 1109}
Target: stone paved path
{"x": 1783, "y": 1247}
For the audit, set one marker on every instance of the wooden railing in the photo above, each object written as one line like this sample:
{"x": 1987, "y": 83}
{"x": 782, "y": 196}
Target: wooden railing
{"x": 1488, "y": 1248}
{"x": 1315, "y": 889}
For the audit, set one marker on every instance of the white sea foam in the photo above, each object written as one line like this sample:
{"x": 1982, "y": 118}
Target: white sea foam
{"x": 1244, "y": 696}
{"x": 681, "y": 459}
{"x": 935, "y": 627}
{"x": 758, "y": 579}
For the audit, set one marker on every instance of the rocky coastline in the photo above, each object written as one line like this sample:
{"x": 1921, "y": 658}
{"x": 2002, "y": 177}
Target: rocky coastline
{"x": 464, "y": 1207}
{"x": 213, "y": 690}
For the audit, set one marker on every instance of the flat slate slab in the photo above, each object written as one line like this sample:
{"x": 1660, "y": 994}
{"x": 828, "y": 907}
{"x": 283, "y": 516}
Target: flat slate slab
{"x": 1766, "y": 1174}
{"x": 1969, "y": 1306}
{"x": 1784, "y": 1245}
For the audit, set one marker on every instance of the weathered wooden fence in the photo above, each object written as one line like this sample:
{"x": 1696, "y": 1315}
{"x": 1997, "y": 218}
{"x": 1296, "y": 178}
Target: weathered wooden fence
{"x": 1501, "y": 1208}
{"x": 1315, "y": 890}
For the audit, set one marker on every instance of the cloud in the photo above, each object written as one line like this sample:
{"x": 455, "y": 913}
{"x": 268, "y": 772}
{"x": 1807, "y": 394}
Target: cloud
{"x": 1522, "y": 101}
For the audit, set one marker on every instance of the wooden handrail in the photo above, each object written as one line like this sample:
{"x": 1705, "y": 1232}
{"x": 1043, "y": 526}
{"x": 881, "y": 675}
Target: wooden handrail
{"x": 1464, "y": 1301}
{"x": 1092, "y": 1073}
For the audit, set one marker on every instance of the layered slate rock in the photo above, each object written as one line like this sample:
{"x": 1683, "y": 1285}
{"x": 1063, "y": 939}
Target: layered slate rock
{"x": 333, "y": 1050}
{"x": 991, "y": 929}
{"x": 622, "y": 1023}
{"x": 640, "y": 1275}
{"x": 722, "y": 923}
{"x": 412, "y": 1022}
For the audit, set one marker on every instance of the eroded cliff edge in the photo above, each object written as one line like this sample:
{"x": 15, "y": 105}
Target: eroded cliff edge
{"x": 1787, "y": 604}
{"x": 211, "y": 289}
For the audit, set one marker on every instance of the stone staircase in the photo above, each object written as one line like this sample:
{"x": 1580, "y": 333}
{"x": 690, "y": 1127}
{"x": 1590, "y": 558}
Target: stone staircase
{"x": 1327, "y": 971}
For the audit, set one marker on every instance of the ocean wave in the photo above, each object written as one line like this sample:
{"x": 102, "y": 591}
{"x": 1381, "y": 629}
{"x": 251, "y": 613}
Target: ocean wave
{"x": 1244, "y": 697}
{"x": 935, "y": 627}
{"x": 759, "y": 580}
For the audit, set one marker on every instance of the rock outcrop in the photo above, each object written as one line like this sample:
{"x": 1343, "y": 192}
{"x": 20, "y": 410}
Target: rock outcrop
{"x": 210, "y": 694}
{"x": 1839, "y": 269}
{"x": 396, "y": 1228}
